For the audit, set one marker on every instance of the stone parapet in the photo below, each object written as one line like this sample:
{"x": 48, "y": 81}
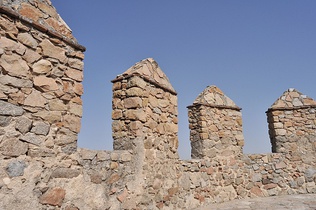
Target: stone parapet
{"x": 215, "y": 125}
{"x": 292, "y": 126}
{"x": 145, "y": 108}
{"x": 40, "y": 90}
{"x": 41, "y": 73}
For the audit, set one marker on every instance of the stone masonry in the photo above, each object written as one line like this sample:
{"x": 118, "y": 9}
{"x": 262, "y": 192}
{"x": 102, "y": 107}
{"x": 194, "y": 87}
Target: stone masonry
{"x": 215, "y": 125}
{"x": 41, "y": 73}
{"x": 292, "y": 124}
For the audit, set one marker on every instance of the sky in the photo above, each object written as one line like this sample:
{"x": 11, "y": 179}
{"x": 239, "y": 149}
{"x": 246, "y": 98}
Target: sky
{"x": 252, "y": 50}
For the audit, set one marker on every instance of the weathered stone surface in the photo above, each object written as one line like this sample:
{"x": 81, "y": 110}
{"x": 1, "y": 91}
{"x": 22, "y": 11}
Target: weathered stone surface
{"x": 45, "y": 84}
{"x": 17, "y": 98}
{"x": 51, "y": 116}
{"x": 32, "y": 138}
{"x": 54, "y": 197}
{"x": 65, "y": 136}
{"x": 40, "y": 128}
{"x": 11, "y": 45}
{"x": 42, "y": 67}
{"x": 8, "y": 109}
{"x": 75, "y": 74}
{"x": 31, "y": 56}
{"x": 72, "y": 122}
{"x": 23, "y": 125}
{"x": 133, "y": 102}
{"x": 78, "y": 88}
{"x": 12, "y": 147}
{"x": 75, "y": 109}
{"x": 96, "y": 178}
{"x": 57, "y": 105}
{"x": 27, "y": 40}
{"x": 113, "y": 178}
{"x": 75, "y": 63}
{"x": 52, "y": 51}
{"x": 122, "y": 196}
{"x": 16, "y": 168}
{"x": 30, "y": 12}
{"x": 4, "y": 121}
{"x": 87, "y": 154}
{"x": 15, "y": 82}
{"x": 14, "y": 65}
{"x": 65, "y": 173}
{"x": 35, "y": 99}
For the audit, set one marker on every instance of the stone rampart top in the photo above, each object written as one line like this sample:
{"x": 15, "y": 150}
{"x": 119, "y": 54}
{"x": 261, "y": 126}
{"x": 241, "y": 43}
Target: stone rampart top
{"x": 293, "y": 99}
{"x": 214, "y": 97}
{"x": 149, "y": 70}
{"x": 42, "y": 15}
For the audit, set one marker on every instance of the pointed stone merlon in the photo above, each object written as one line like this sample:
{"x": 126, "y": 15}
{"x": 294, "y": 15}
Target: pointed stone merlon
{"x": 145, "y": 107}
{"x": 292, "y": 125}
{"x": 215, "y": 125}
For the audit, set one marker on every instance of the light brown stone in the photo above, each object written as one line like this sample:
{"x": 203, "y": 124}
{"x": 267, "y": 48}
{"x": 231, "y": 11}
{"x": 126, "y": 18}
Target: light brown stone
{"x": 50, "y": 116}
{"x": 75, "y": 109}
{"x": 133, "y": 102}
{"x": 14, "y": 65}
{"x": 54, "y": 197}
{"x": 8, "y": 26}
{"x": 72, "y": 122}
{"x": 75, "y": 74}
{"x": 270, "y": 186}
{"x": 123, "y": 195}
{"x": 35, "y": 99}
{"x": 30, "y": 12}
{"x": 42, "y": 67}
{"x": 10, "y": 45}
{"x": 137, "y": 114}
{"x": 31, "y": 56}
{"x": 256, "y": 191}
{"x": 13, "y": 147}
{"x": 57, "y": 105}
{"x": 78, "y": 88}
{"x": 134, "y": 91}
{"x": 117, "y": 114}
{"x": 113, "y": 178}
{"x": 45, "y": 83}
{"x": 52, "y": 51}
{"x": 27, "y": 40}
{"x": 96, "y": 178}
{"x": 18, "y": 98}
{"x": 75, "y": 63}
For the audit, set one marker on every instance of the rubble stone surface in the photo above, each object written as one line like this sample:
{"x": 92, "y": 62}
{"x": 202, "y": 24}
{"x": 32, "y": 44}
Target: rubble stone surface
{"x": 41, "y": 73}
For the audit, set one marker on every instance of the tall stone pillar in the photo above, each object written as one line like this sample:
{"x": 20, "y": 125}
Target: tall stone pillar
{"x": 145, "y": 107}
{"x": 215, "y": 125}
{"x": 292, "y": 126}
{"x": 41, "y": 73}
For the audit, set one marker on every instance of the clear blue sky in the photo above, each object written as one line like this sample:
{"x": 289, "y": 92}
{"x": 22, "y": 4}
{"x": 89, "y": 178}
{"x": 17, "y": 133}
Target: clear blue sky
{"x": 252, "y": 50}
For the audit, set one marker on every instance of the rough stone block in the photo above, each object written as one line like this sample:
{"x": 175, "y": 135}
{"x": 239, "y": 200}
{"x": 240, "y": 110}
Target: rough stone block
{"x": 16, "y": 168}
{"x": 8, "y": 109}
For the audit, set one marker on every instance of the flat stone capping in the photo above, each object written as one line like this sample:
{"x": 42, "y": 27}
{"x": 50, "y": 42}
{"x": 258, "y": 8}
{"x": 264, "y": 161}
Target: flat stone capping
{"x": 147, "y": 79}
{"x": 42, "y": 28}
{"x": 216, "y": 106}
{"x": 291, "y": 108}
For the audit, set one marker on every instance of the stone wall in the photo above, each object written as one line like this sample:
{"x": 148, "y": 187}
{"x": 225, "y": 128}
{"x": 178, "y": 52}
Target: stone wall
{"x": 292, "y": 126}
{"x": 215, "y": 125}
{"x": 41, "y": 70}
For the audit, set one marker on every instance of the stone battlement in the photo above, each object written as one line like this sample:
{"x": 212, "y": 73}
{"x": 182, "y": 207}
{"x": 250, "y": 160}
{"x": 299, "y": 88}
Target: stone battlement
{"x": 41, "y": 73}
